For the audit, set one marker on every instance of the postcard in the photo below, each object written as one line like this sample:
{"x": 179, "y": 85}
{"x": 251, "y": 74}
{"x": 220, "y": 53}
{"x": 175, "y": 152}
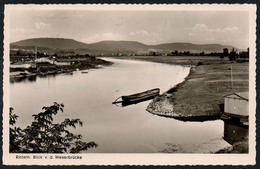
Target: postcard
{"x": 129, "y": 84}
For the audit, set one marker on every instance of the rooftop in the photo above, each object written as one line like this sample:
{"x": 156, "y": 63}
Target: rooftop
{"x": 242, "y": 95}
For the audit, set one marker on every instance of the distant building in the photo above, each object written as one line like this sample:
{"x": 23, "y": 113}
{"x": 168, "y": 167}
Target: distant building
{"x": 63, "y": 63}
{"x": 44, "y": 59}
{"x": 236, "y": 105}
{"x": 25, "y": 65}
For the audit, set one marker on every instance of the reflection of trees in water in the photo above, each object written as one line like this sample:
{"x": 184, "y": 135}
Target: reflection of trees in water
{"x": 23, "y": 79}
{"x": 236, "y": 134}
{"x": 30, "y": 78}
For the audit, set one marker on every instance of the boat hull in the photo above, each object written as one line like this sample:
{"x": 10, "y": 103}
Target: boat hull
{"x": 139, "y": 97}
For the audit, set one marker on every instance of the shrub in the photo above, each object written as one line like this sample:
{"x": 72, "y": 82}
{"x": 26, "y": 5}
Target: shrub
{"x": 200, "y": 63}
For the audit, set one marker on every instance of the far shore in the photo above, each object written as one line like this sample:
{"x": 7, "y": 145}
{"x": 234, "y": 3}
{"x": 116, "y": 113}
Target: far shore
{"x": 45, "y": 69}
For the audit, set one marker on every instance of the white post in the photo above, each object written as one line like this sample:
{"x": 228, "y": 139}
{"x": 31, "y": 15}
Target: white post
{"x": 35, "y": 52}
{"x": 231, "y": 78}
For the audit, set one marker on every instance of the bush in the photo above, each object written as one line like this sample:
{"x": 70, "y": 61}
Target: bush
{"x": 200, "y": 63}
{"x": 42, "y": 136}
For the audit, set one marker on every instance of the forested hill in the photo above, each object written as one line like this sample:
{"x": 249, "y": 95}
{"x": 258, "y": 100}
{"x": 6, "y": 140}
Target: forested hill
{"x": 114, "y": 46}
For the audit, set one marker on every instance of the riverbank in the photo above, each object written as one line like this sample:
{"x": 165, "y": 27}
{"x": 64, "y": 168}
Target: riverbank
{"x": 200, "y": 96}
{"x": 43, "y": 69}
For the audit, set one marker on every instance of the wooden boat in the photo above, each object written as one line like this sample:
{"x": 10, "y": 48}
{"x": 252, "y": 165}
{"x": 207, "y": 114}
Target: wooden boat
{"x": 138, "y": 97}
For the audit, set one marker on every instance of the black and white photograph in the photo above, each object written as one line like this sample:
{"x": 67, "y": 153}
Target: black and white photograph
{"x": 129, "y": 84}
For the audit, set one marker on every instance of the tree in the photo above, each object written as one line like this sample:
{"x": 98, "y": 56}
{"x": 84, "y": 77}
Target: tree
{"x": 18, "y": 53}
{"x": 243, "y": 55}
{"x": 43, "y": 136}
{"x": 232, "y": 55}
{"x": 175, "y": 53}
{"x": 14, "y": 133}
{"x": 224, "y": 54}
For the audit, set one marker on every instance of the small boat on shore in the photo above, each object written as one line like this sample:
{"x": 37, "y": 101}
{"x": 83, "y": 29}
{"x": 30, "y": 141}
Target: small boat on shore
{"x": 138, "y": 97}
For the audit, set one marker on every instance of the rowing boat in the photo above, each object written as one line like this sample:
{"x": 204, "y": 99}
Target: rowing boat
{"x": 138, "y": 97}
{"x": 149, "y": 94}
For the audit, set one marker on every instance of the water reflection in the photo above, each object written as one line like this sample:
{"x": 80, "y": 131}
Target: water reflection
{"x": 34, "y": 77}
{"x": 125, "y": 103}
{"x": 23, "y": 79}
{"x": 236, "y": 134}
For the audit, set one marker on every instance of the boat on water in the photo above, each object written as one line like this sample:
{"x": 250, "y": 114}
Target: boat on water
{"x": 138, "y": 97}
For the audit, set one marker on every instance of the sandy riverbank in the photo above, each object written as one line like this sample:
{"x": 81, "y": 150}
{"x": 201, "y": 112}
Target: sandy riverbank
{"x": 200, "y": 96}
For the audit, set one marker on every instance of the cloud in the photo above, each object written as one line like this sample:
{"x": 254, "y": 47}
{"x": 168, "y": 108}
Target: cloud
{"x": 21, "y": 30}
{"x": 199, "y": 27}
{"x": 201, "y": 33}
{"x": 141, "y": 32}
{"x": 20, "y": 34}
{"x": 103, "y": 36}
{"x": 230, "y": 29}
{"x": 202, "y": 28}
{"x": 111, "y": 36}
{"x": 41, "y": 25}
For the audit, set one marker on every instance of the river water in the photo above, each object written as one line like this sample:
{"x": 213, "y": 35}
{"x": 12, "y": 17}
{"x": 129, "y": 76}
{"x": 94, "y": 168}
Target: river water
{"x": 116, "y": 129}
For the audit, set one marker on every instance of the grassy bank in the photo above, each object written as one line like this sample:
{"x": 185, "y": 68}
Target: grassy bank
{"x": 200, "y": 96}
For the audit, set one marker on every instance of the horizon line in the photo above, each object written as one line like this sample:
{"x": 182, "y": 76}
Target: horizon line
{"x": 128, "y": 41}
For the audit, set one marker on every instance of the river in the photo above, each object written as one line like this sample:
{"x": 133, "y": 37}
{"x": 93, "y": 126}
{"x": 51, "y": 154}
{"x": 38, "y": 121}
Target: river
{"x": 130, "y": 129}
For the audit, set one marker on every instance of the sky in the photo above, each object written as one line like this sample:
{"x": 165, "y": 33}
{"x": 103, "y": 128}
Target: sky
{"x": 147, "y": 26}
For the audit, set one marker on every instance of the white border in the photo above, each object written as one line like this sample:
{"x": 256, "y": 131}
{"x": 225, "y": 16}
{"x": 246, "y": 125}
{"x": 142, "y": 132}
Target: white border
{"x": 137, "y": 159}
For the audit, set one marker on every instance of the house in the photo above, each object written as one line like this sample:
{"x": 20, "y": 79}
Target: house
{"x": 22, "y": 65}
{"x": 53, "y": 61}
{"x": 62, "y": 63}
{"x": 43, "y": 59}
{"x": 236, "y": 105}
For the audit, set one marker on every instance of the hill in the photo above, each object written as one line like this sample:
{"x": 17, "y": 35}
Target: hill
{"x": 52, "y": 43}
{"x": 56, "y": 44}
{"x": 117, "y": 46}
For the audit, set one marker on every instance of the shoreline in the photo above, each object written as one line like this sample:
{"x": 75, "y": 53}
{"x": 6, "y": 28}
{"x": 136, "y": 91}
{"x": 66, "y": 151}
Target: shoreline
{"x": 31, "y": 74}
{"x": 165, "y": 105}
{"x": 200, "y": 97}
